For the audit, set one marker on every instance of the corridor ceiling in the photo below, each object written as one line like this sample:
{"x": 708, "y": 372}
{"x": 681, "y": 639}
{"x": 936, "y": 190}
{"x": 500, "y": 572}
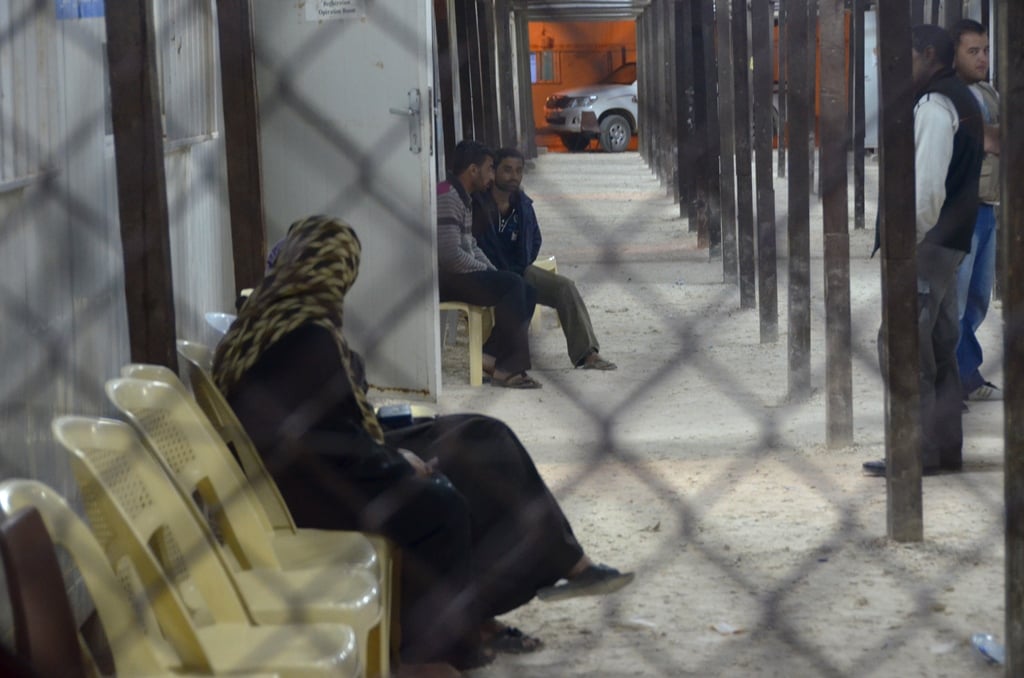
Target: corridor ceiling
{"x": 581, "y": 10}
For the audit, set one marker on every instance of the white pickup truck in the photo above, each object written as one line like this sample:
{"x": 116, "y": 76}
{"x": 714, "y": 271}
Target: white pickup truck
{"x": 606, "y": 111}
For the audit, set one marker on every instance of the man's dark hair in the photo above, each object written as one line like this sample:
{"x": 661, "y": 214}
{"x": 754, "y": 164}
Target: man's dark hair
{"x": 507, "y": 152}
{"x": 938, "y": 38}
{"x": 965, "y": 26}
{"x": 469, "y": 152}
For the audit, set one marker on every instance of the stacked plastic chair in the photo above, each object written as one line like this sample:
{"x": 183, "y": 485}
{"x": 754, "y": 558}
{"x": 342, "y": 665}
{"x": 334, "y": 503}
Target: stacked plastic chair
{"x": 148, "y": 629}
{"x": 136, "y": 512}
{"x": 200, "y": 465}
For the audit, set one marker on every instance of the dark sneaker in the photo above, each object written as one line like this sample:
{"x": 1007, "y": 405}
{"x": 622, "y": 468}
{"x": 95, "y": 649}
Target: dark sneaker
{"x": 876, "y": 468}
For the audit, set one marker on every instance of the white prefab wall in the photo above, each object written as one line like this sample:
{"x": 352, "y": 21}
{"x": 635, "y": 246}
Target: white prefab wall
{"x": 62, "y": 302}
{"x": 27, "y": 107}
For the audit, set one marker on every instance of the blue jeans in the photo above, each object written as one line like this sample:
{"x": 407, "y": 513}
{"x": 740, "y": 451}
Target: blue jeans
{"x": 973, "y": 291}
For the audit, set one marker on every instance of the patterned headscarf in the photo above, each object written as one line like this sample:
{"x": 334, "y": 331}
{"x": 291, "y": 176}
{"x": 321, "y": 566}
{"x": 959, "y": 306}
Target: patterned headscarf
{"x": 315, "y": 268}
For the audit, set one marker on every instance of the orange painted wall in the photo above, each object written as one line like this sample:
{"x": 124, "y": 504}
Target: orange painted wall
{"x": 584, "y": 52}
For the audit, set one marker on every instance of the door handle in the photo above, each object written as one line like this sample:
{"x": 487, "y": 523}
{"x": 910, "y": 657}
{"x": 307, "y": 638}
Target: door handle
{"x": 413, "y": 113}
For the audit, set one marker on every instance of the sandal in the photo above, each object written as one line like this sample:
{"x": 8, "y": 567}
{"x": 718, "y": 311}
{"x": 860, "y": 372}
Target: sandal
{"x": 510, "y": 640}
{"x": 593, "y": 581}
{"x": 521, "y": 380}
{"x": 595, "y": 362}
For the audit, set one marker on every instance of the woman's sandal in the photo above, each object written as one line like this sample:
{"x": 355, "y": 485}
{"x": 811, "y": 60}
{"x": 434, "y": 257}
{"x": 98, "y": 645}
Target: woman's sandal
{"x": 510, "y": 640}
{"x": 595, "y": 580}
{"x": 521, "y": 380}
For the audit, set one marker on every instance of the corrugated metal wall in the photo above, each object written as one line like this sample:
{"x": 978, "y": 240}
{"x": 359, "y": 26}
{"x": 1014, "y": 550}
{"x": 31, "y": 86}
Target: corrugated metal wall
{"x": 63, "y": 325}
{"x": 185, "y": 59}
{"x": 27, "y": 104}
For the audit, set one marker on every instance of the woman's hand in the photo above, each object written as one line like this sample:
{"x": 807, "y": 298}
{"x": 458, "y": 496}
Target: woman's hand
{"x": 423, "y": 469}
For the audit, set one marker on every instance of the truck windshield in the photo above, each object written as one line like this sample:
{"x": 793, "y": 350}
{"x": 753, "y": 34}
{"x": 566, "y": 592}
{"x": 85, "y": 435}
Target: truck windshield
{"x": 623, "y": 75}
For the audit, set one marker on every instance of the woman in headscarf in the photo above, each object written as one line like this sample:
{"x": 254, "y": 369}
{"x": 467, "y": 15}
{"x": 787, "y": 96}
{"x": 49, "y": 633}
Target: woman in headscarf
{"x": 479, "y": 531}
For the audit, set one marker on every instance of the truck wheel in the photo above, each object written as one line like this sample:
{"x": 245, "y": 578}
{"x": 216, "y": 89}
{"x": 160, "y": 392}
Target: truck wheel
{"x": 615, "y": 134}
{"x": 576, "y": 142}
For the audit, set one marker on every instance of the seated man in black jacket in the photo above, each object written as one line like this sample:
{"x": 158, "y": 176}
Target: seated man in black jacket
{"x": 506, "y": 229}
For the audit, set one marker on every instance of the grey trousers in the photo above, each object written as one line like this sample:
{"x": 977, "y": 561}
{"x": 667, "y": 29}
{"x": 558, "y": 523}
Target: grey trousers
{"x": 938, "y": 332}
{"x": 560, "y": 293}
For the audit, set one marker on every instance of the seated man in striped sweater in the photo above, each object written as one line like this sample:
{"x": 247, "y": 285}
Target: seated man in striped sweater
{"x": 466, "y": 274}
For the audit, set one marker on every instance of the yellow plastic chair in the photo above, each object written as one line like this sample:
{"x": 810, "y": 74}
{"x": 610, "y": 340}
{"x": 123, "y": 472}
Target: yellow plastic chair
{"x": 337, "y": 547}
{"x": 200, "y": 465}
{"x": 479, "y": 323}
{"x": 206, "y": 613}
{"x": 196, "y": 360}
{"x": 295, "y": 547}
{"x": 273, "y": 511}
{"x": 46, "y": 638}
{"x": 165, "y": 375}
{"x": 548, "y": 263}
{"x": 219, "y": 322}
{"x": 126, "y": 609}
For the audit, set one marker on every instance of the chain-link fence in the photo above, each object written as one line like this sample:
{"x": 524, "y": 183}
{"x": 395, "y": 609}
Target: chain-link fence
{"x": 757, "y": 549}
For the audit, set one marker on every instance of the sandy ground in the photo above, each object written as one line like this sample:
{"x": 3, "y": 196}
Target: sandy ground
{"x": 759, "y": 551}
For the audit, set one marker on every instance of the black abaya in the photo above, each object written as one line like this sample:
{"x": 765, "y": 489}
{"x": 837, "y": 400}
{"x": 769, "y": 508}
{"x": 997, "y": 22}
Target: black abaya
{"x": 471, "y": 549}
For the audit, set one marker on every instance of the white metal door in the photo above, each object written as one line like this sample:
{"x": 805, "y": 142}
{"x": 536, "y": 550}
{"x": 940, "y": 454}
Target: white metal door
{"x": 345, "y": 91}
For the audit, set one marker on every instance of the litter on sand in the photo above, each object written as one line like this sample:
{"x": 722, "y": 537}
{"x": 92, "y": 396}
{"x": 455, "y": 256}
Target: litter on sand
{"x": 727, "y": 629}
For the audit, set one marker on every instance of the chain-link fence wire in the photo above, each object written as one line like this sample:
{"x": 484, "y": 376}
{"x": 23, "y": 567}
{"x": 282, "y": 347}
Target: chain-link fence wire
{"x": 608, "y": 418}
{"x": 800, "y": 640}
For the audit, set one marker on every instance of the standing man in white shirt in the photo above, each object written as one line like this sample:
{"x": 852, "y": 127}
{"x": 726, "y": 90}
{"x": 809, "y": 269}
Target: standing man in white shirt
{"x": 948, "y": 151}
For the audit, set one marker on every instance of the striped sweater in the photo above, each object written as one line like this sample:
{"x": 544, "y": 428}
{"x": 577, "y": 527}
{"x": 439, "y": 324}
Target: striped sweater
{"x": 457, "y": 251}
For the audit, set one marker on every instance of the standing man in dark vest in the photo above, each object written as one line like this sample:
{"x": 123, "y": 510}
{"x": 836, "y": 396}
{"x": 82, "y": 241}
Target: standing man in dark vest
{"x": 948, "y": 143}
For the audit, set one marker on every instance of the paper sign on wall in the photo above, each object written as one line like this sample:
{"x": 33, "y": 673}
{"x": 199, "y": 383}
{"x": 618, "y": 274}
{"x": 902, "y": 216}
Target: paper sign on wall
{"x": 328, "y": 10}
{"x": 79, "y": 9}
